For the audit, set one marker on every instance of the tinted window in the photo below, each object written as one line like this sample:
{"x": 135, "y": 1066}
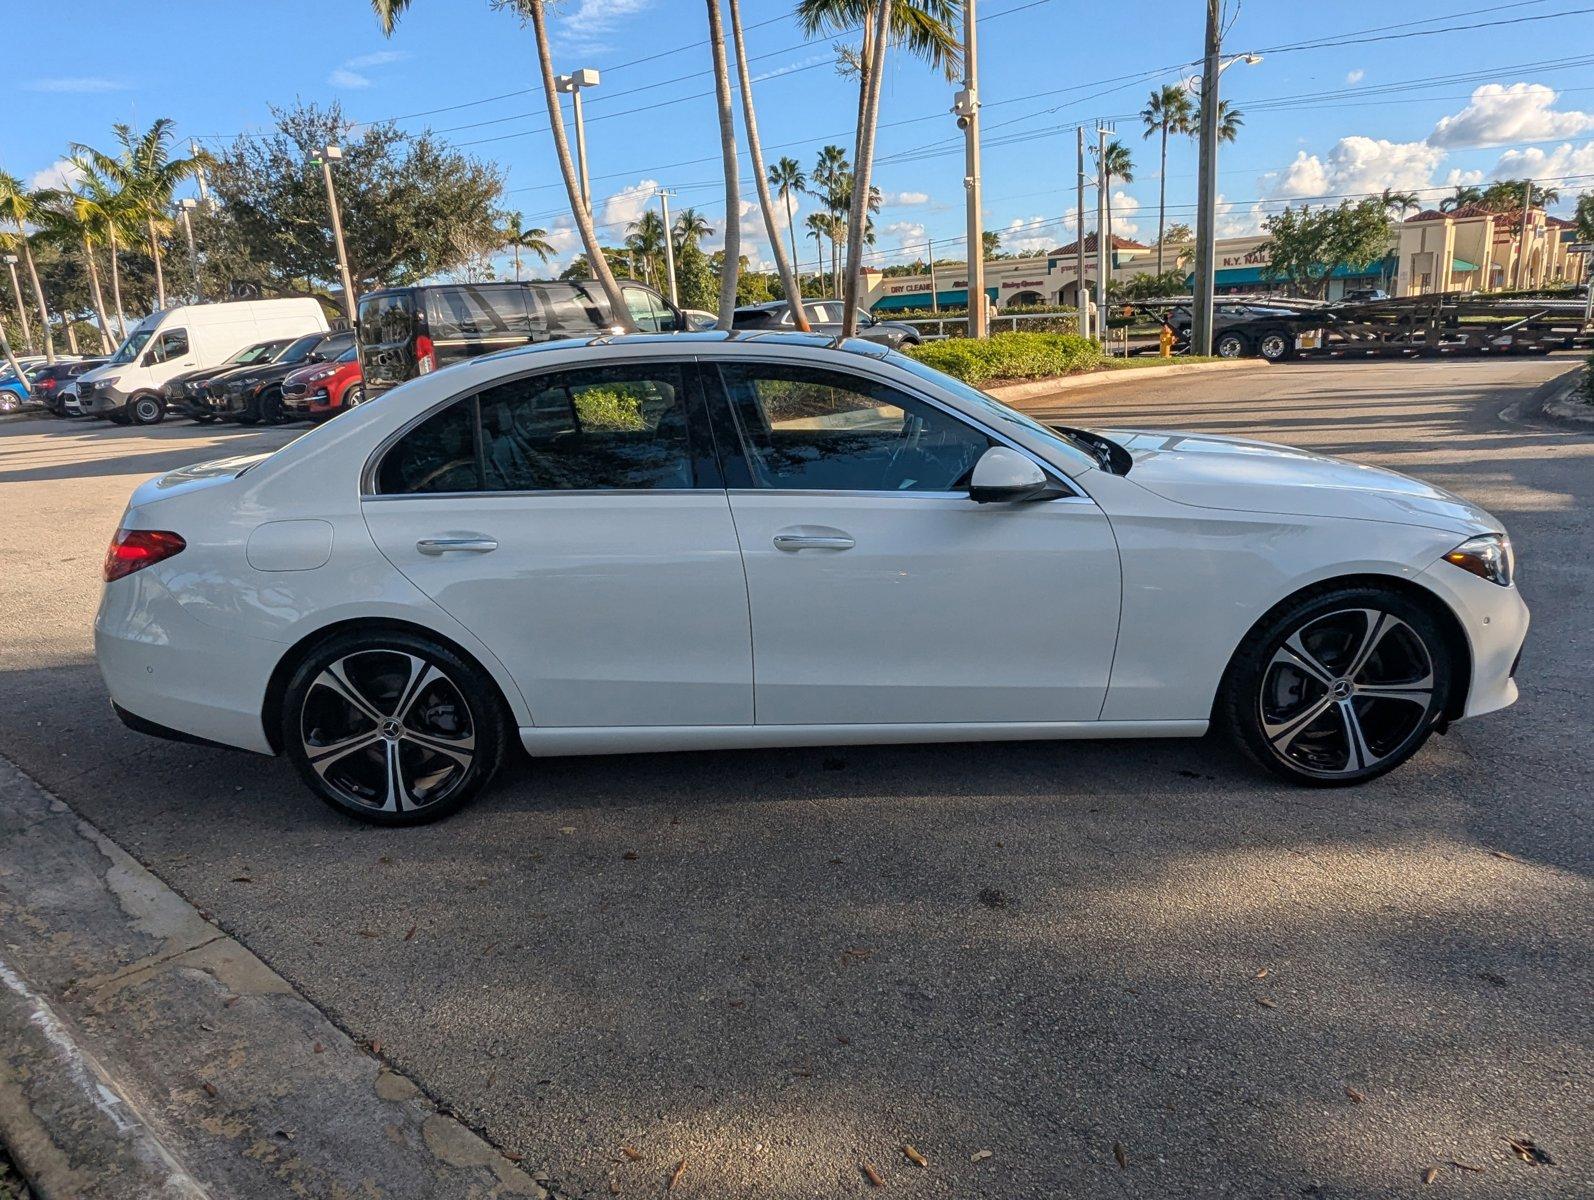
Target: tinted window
{"x": 438, "y": 455}
{"x": 828, "y": 431}
{"x": 611, "y": 427}
{"x": 475, "y": 312}
{"x": 172, "y": 344}
{"x": 574, "y": 311}
{"x": 389, "y": 318}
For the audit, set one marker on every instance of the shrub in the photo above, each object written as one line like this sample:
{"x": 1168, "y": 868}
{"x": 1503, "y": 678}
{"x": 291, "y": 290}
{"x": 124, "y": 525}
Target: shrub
{"x": 1010, "y": 356}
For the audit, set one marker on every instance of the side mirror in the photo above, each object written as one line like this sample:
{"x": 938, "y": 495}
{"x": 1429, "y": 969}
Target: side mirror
{"x": 1004, "y": 476}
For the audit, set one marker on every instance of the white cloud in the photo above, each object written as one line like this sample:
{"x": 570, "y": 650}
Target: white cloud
{"x": 1232, "y": 223}
{"x": 342, "y": 77}
{"x": 377, "y": 58}
{"x": 1356, "y": 165}
{"x": 905, "y": 234}
{"x": 1546, "y": 165}
{"x": 1124, "y": 207}
{"x": 87, "y": 84}
{"x": 1356, "y": 76}
{"x": 894, "y": 199}
{"x": 589, "y": 25}
{"x": 1029, "y": 235}
{"x": 623, "y": 207}
{"x": 802, "y": 64}
{"x": 1497, "y": 114}
{"x": 63, "y": 172}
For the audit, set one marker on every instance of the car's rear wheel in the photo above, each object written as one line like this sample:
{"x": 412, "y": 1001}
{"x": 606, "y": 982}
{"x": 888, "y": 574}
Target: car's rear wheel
{"x": 146, "y": 410}
{"x": 1339, "y": 686}
{"x": 10, "y": 402}
{"x": 392, "y": 728}
{"x": 1229, "y": 345}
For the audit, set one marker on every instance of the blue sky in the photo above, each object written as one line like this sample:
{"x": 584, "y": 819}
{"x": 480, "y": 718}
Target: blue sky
{"x": 1385, "y": 102}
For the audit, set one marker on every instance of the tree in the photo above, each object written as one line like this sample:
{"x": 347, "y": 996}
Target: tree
{"x": 1229, "y": 121}
{"x": 388, "y": 12}
{"x": 1179, "y": 234}
{"x": 645, "y": 241}
{"x": 732, "y": 257}
{"x": 1584, "y": 217}
{"x": 412, "y": 206}
{"x": 20, "y": 207}
{"x": 790, "y": 289}
{"x": 787, "y": 178}
{"x": 924, "y": 28}
{"x": 1505, "y": 197}
{"x": 1118, "y": 165}
{"x": 1464, "y": 195}
{"x": 990, "y": 244}
{"x": 1399, "y": 201}
{"x": 1307, "y": 246}
{"x": 694, "y": 278}
{"x": 1146, "y": 286}
{"x": 534, "y": 241}
{"x": 1168, "y": 110}
{"x": 122, "y": 221}
{"x": 832, "y": 175}
{"x": 691, "y": 227}
{"x": 821, "y": 226}
{"x": 71, "y": 220}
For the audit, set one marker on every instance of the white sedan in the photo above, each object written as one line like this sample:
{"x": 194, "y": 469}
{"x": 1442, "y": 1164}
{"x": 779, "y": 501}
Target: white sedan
{"x": 706, "y": 541}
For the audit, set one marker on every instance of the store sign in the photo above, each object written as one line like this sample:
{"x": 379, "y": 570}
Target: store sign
{"x": 1023, "y": 283}
{"x": 1251, "y": 258}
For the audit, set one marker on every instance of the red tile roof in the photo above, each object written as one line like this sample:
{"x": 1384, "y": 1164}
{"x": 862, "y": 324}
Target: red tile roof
{"x": 1118, "y": 243}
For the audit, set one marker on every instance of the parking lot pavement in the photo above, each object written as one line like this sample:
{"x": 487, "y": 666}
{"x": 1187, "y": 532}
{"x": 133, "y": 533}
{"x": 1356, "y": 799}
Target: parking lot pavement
{"x": 1119, "y": 968}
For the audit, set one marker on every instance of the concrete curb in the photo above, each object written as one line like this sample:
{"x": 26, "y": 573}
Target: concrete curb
{"x": 1555, "y": 403}
{"x": 145, "y": 1052}
{"x": 1034, "y": 389}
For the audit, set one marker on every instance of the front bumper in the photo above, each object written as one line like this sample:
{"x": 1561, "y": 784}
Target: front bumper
{"x": 1495, "y": 621}
{"x": 103, "y": 400}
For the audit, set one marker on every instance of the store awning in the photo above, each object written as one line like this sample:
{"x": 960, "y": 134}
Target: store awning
{"x": 1239, "y": 276}
{"x": 906, "y": 300}
{"x": 1461, "y": 264}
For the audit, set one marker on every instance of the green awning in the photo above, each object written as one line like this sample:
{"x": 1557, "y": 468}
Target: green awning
{"x": 1461, "y": 264}
{"x": 922, "y": 299}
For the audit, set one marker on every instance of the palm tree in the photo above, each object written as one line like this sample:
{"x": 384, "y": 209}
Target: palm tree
{"x": 74, "y": 221}
{"x": 1464, "y": 194}
{"x": 1229, "y": 121}
{"x": 20, "y": 207}
{"x": 534, "y": 241}
{"x": 388, "y": 13}
{"x": 732, "y": 259}
{"x": 645, "y": 241}
{"x": 831, "y": 175}
{"x": 990, "y": 244}
{"x": 121, "y": 220}
{"x": 924, "y": 28}
{"x": 1118, "y": 165}
{"x": 1399, "y": 201}
{"x": 1167, "y": 110}
{"x": 147, "y": 174}
{"x": 691, "y": 227}
{"x": 787, "y": 178}
{"x": 821, "y": 225}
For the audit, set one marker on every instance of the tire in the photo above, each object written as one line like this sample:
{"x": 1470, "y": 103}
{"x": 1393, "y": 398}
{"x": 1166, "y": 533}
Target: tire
{"x": 349, "y": 691}
{"x": 270, "y": 408}
{"x": 1230, "y": 345}
{"x": 1275, "y": 345}
{"x": 119, "y": 417}
{"x": 10, "y": 402}
{"x": 1371, "y": 654}
{"x": 146, "y": 410}
{"x": 353, "y": 395}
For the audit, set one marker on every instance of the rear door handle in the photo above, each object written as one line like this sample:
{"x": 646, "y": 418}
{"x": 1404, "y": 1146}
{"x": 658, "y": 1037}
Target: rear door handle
{"x": 829, "y": 540}
{"x": 456, "y": 545}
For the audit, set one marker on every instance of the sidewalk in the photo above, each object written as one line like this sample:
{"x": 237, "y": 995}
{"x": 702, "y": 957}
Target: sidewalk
{"x": 144, "y": 1052}
{"x": 1035, "y": 389}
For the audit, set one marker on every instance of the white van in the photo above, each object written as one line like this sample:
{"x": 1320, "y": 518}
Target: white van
{"x": 190, "y": 337}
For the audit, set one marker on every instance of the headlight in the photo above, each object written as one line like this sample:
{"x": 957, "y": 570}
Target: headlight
{"x": 1487, "y": 556}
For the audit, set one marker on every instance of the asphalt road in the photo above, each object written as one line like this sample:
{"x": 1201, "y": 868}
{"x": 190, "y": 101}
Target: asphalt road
{"x": 1120, "y": 968}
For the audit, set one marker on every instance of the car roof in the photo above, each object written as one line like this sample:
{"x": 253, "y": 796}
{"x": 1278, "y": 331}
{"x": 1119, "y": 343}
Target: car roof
{"x": 717, "y": 341}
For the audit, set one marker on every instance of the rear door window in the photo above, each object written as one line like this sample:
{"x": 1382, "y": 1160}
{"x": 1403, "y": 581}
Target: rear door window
{"x": 574, "y": 310}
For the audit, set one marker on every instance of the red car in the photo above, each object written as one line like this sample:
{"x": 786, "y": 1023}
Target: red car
{"x": 324, "y": 389}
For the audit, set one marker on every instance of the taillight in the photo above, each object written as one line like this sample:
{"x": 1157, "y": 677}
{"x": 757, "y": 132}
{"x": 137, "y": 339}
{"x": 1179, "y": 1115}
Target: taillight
{"x": 43, "y": 385}
{"x": 425, "y": 355}
{"x": 134, "y": 549}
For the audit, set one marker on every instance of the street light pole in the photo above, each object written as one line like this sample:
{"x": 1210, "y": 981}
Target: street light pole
{"x": 935, "y": 304}
{"x": 585, "y": 78}
{"x": 1207, "y": 188}
{"x": 967, "y": 107}
{"x": 1079, "y": 239}
{"x": 22, "y": 309}
{"x": 329, "y": 156}
{"x": 186, "y": 206}
{"x": 669, "y": 244}
{"x": 1102, "y": 248}
{"x": 1522, "y": 241}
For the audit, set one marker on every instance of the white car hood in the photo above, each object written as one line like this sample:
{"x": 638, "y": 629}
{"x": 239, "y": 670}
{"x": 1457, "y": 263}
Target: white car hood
{"x": 1238, "y": 474}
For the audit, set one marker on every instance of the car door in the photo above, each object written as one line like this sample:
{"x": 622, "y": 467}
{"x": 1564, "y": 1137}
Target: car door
{"x": 880, "y": 593}
{"x": 576, "y": 522}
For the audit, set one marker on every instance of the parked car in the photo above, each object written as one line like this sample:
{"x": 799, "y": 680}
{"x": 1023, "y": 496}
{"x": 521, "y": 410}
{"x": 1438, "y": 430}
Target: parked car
{"x": 405, "y": 332}
{"x": 253, "y": 395}
{"x": 586, "y": 547}
{"x": 18, "y": 393}
{"x": 187, "y": 393}
{"x": 186, "y": 338}
{"x": 324, "y": 389}
{"x": 824, "y": 316}
{"x": 698, "y": 321}
{"x": 1242, "y": 330}
{"x": 47, "y": 381}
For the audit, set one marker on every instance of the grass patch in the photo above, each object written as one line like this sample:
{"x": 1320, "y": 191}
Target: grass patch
{"x": 1011, "y": 356}
{"x": 1152, "y": 360}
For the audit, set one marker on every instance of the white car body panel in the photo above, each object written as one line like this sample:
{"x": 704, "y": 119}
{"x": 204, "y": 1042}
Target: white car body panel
{"x": 628, "y": 621}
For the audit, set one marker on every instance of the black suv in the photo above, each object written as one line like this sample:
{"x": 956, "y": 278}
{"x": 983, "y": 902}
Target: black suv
{"x": 47, "y": 381}
{"x": 253, "y": 395}
{"x": 188, "y": 393}
{"x": 824, "y": 316}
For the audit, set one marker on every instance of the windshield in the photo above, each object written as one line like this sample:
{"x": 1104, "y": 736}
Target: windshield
{"x": 129, "y": 349}
{"x": 259, "y": 352}
{"x": 300, "y": 350}
{"x": 1071, "y": 449}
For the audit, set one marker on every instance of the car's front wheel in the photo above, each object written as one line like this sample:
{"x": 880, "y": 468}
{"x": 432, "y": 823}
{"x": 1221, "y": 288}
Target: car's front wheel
{"x": 146, "y": 410}
{"x": 1339, "y": 686}
{"x": 355, "y": 396}
{"x": 392, "y": 728}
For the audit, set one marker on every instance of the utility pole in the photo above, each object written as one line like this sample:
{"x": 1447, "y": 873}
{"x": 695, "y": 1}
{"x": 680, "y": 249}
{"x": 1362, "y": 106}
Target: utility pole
{"x": 935, "y": 305}
{"x": 22, "y": 309}
{"x": 1079, "y": 239}
{"x": 330, "y": 155}
{"x": 186, "y": 206}
{"x": 1207, "y": 193}
{"x": 1522, "y": 247}
{"x": 585, "y": 78}
{"x": 669, "y": 243}
{"x": 1102, "y": 249}
{"x": 201, "y": 178}
{"x": 967, "y": 106}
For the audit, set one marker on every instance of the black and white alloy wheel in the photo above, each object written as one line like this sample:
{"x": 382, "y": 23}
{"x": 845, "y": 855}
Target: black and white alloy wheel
{"x": 1341, "y": 688}
{"x": 396, "y": 731}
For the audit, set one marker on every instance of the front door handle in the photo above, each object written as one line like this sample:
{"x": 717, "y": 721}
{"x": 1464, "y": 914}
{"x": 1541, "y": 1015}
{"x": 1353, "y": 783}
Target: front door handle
{"x": 456, "y": 545}
{"x": 833, "y": 539}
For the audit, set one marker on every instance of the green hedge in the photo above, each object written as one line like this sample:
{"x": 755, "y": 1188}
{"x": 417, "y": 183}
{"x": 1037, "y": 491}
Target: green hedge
{"x": 1011, "y": 356}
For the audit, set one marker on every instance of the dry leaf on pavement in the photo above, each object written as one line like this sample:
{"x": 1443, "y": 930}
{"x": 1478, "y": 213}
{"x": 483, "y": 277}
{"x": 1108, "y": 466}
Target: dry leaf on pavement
{"x": 980, "y": 1156}
{"x": 1265, "y": 1002}
{"x": 915, "y": 1157}
{"x": 872, "y": 1175}
{"x": 631, "y": 1152}
{"x": 675, "y": 1175}
{"x": 1355, "y": 1096}
{"x": 1120, "y": 1154}
{"x": 1430, "y": 1174}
